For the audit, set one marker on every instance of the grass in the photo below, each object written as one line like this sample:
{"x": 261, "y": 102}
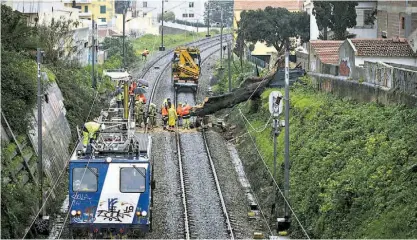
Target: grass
{"x": 153, "y": 42}
{"x": 351, "y": 164}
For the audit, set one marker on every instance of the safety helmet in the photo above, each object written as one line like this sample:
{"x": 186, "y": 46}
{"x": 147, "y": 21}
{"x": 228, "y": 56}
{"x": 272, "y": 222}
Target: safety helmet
{"x": 180, "y": 103}
{"x": 102, "y": 127}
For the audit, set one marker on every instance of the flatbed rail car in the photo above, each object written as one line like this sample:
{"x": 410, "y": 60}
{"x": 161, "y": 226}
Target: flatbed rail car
{"x": 186, "y": 67}
{"x": 110, "y": 189}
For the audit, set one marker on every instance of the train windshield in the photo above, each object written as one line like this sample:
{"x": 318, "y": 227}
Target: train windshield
{"x": 132, "y": 179}
{"x": 84, "y": 179}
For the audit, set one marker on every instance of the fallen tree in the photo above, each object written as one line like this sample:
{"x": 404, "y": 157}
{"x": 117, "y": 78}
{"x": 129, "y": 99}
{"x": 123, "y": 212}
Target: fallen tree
{"x": 250, "y": 88}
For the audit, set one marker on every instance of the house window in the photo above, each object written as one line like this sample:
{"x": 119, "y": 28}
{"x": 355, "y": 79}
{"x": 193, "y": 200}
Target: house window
{"x": 191, "y": 4}
{"x": 102, "y": 19}
{"x": 145, "y": 4}
{"x": 363, "y": 18}
{"x": 102, "y": 9}
{"x": 85, "y": 8}
{"x": 191, "y": 15}
{"x": 184, "y": 15}
{"x": 402, "y": 23}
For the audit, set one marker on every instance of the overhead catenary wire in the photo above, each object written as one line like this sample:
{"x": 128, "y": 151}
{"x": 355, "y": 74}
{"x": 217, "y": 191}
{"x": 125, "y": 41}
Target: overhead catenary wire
{"x": 276, "y": 184}
{"x": 60, "y": 175}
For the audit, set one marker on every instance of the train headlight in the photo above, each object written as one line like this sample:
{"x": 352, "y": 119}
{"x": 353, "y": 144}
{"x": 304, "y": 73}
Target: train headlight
{"x": 108, "y": 159}
{"x": 138, "y": 213}
{"x": 144, "y": 213}
{"x": 78, "y": 212}
{"x": 73, "y": 212}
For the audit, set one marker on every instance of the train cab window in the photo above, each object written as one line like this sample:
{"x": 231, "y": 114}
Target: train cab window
{"x": 132, "y": 179}
{"x": 84, "y": 179}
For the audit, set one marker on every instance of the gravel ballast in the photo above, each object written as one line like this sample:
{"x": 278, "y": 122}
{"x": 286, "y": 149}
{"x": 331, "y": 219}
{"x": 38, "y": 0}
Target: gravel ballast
{"x": 204, "y": 207}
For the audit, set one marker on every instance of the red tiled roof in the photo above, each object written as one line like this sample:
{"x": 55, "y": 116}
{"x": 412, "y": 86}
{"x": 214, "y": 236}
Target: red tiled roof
{"x": 291, "y": 5}
{"x": 102, "y": 33}
{"x": 327, "y": 51}
{"x": 383, "y": 47}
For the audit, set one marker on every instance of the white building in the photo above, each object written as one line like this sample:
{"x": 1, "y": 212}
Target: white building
{"x": 191, "y": 10}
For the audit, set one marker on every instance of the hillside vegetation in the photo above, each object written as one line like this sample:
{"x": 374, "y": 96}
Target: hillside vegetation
{"x": 353, "y": 166}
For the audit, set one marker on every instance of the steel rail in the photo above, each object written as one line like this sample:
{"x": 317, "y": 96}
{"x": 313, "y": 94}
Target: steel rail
{"x": 219, "y": 191}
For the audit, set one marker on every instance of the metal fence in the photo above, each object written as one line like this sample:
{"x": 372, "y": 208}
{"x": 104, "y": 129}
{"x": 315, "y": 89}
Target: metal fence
{"x": 256, "y": 61}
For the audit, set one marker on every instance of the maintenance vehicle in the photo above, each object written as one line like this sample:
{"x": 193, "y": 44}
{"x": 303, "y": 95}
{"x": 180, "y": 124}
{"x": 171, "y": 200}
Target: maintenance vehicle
{"x": 186, "y": 68}
{"x": 110, "y": 184}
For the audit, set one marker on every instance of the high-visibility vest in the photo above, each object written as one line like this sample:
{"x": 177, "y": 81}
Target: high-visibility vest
{"x": 164, "y": 111}
{"x": 186, "y": 110}
{"x": 179, "y": 111}
{"x": 132, "y": 87}
{"x": 141, "y": 97}
{"x": 92, "y": 128}
{"x": 119, "y": 96}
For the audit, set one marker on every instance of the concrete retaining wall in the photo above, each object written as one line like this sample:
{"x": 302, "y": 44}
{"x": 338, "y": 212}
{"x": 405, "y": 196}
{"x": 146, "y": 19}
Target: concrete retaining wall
{"x": 362, "y": 92}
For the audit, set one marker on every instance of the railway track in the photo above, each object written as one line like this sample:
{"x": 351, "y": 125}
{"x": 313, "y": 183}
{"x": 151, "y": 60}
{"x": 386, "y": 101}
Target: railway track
{"x": 60, "y": 226}
{"x": 194, "y": 225}
{"x": 211, "y": 210}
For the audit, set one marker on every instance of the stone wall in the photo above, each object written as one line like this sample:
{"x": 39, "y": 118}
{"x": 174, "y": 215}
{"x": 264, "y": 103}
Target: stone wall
{"x": 56, "y": 137}
{"x": 344, "y": 88}
{"x": 393, "y": 76}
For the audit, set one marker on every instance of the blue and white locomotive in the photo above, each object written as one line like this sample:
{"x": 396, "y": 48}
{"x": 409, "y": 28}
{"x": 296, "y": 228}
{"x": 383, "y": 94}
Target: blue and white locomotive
{"x": 110, "y": 187}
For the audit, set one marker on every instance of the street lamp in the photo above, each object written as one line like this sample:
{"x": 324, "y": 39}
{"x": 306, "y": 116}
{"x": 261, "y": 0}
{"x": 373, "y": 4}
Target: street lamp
{"x": 162, "y": 47}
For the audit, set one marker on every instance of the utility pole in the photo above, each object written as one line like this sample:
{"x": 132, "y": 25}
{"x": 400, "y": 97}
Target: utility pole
{"x": 40, "y": 163}
{"x": 162, "y": 48}
{"x": 124, "y": 26}
{"x": 208, "y": 19}
{"x": 221, "y": 39}
{"x": 93, "y": 47}
{"x": 287, "y": 129}
{"x": 229, "y": 60}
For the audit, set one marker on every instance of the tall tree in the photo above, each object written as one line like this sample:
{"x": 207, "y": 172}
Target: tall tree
{"x": 335, "y": 15}
{"x": 16, "y": 35}
{"x": 216, "y": 8}
{"x": 274, "y": 26}
{"x": 56, "y": 38}
{"x": 168, "y": 16}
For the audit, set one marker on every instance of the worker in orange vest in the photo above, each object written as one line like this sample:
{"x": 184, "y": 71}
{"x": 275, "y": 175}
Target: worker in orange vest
{"x": 141, "y": 97}
{"x": 145, "y": 53}
{"x": 164, "y": 112}
{"x": 179, "y": 113}
{"x": 186, "y": 115}
{"x": 132, "y": 88}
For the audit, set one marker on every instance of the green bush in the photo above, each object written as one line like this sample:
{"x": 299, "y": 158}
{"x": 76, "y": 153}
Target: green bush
{"x": 18, "y": 89}
{"x": 238, "y": 74}
{"x": 351, "y": 165}
{"x": 114, "y": 47}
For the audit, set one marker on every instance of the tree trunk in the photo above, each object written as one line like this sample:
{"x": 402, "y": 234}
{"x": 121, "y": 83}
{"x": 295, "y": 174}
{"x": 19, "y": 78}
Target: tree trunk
{"x": 325, "y": 33}
{"x": 250, "y": 88}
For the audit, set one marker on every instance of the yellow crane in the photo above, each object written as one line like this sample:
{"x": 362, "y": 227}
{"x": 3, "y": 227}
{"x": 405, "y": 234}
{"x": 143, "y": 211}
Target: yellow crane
{"x": 186, "y": 67}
